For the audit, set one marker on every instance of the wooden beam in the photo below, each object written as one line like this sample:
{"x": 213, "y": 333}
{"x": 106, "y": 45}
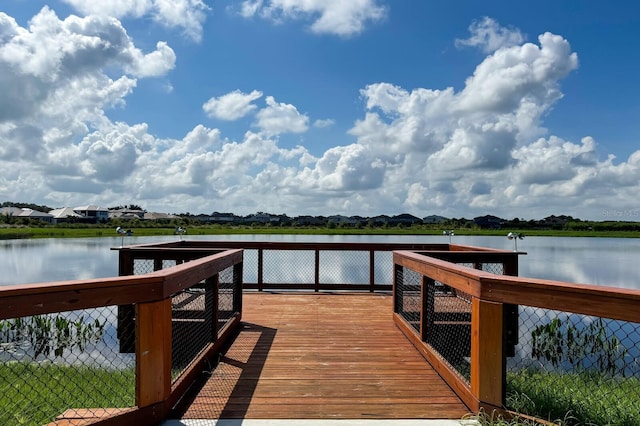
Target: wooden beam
{"x": 153, "y": 352}
{"x": 487, "y": 368}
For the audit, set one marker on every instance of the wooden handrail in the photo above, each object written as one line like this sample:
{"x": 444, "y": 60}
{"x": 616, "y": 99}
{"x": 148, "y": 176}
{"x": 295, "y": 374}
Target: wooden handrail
{"x": 586, "y": 299}
{"x": 489, "y": 294}
{"x": 151, "y": 294}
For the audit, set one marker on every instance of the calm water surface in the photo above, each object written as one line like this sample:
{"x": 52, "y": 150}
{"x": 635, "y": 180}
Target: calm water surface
{"x": 603, "y": 261}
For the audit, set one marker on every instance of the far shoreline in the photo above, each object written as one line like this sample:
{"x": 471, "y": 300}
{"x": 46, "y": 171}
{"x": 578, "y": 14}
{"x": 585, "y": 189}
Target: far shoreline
{"x": 97, "y": 231}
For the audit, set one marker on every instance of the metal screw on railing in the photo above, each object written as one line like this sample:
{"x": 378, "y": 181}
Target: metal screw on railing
{"x": 449, "y": 233}
{"x": 515, "y": 236}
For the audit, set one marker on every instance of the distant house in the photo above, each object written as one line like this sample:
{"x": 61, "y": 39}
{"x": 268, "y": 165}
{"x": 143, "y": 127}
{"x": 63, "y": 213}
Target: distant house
{"x": 404, "y": 219}
{"x": 342, "y": 220}
{"x": 95, "y": 213}
{"x": 223, "y": 218}
{"x": 65, "y": 214}
{"x": 158, "y": 216}
{"x": 10, "y": 211}
{"x": 434, "y": 219}
{"x": 126, "y": 214}
{"x": 380, "y": 220}
{"x": 488, "y": 221}
{"x": 310, "y": 221}
{"x": 35, "y": 214}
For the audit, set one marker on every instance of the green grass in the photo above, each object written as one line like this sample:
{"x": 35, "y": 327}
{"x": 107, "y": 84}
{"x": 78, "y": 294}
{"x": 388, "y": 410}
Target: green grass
{"x": 34, "y": 394}
{"x": 85, "y": 231}
{"x": 579, "y": 398}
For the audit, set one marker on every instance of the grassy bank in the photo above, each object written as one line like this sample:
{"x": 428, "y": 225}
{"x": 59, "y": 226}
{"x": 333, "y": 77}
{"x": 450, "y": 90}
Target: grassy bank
{"x": 577, "y": 398}
{"x": 34, "y": 394}
{"x": 17, "y": 232}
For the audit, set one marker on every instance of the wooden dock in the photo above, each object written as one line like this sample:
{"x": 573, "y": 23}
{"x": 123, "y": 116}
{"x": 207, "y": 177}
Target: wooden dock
{"x": 321, "y": 356}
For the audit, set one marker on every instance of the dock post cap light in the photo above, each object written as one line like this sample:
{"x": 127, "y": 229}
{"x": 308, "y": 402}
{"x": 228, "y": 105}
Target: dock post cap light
{"x": 449, "y": 233}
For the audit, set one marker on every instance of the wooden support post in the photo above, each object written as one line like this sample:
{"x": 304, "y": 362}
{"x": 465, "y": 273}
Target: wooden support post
{"x": 487, "y": 366}
{"x": 372, "y": 270}
{"x": 153, "y": 352}
{"x": 260, "y": 269}
{"x": 316, "y": 272}
{"x": 237, "y": 287}
{"x": 397, "y": 281}
{"x": 126, "y": 332}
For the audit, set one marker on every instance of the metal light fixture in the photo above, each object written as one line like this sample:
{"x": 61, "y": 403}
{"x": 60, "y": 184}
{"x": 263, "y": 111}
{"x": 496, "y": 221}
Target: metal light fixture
{"x": 122, "y": 233}
{"x": 515, "y": 236}
{"x": 180, "y": 231}
{"x": 449, "y": 233}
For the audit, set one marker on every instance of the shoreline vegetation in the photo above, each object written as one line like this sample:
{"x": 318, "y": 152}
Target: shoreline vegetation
{"x": 142, "y": 229}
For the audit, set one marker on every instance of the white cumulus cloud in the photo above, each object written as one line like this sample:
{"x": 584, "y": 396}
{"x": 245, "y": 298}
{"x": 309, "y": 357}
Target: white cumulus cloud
{"x": 231, "y": 106}
{"x": 188, "y": 15}
{"x": 337, "y": 17}
{"x": 490, "y": 36}
{"x": 277, "y": 118}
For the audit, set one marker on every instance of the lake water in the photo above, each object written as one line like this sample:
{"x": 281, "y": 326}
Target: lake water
{"x": 611, "y": 262}
{"x": 602, "y": 261}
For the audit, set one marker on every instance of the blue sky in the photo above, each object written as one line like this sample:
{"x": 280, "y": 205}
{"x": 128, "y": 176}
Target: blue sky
{"x": 365, "y": 107}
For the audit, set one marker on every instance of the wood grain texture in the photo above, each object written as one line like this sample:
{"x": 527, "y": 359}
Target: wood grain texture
{"x": 322, "y": 356}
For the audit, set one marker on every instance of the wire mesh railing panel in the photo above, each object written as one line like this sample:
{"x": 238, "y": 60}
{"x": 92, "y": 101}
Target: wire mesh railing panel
{"x": 250, "y": 266}
{"x": 168, "y": 263}
{"x": 494, "y": 268}
{"x": 407, "y": 296}
{"x": 289, "y": 266}
{"x": 192, "y": 324}
{"x": 143, "y": 266}
{"x": 63, "y": 362}
{"x": 448, "y": 325}
{"x": 383, "y": 267}
{"x": 344, "y": 267}
{"x": 577, "y": 368}
{"x": 226, "y": 296}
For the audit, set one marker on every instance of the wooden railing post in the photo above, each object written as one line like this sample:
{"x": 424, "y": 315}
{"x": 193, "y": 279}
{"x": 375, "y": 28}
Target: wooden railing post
{"x": 487, "y": 367}
{"x": 316, "y": 272}
{"x": 153, "y": 352}
{"x": 372, "y": 270}
{"x": 126, "y": 313}
{"x": 396, "y": 282}
{"x": 260, "y": 269}
{"x": 237, "y": 287}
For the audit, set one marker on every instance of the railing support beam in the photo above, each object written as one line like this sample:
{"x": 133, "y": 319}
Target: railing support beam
{"x": 487, "y": 369}
{"x": 153, "y": 352}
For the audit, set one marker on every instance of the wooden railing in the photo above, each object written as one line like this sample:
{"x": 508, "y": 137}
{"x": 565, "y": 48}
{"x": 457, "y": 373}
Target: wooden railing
{"x": 312, "y": 265}
{"x": 426, "y": 286}
{"x": 151, "y": 294}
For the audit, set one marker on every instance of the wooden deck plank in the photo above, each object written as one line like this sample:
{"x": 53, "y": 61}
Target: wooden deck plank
{"x": 322, "y": 356}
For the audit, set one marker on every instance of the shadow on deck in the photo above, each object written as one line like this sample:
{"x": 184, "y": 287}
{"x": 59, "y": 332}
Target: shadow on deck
{"x": 320, "y": 356}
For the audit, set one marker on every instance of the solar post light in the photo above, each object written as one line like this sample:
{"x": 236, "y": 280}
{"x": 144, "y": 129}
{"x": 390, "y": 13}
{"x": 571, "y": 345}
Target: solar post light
{"x": 449, "y": 233}
{"x": 515, "y": 236}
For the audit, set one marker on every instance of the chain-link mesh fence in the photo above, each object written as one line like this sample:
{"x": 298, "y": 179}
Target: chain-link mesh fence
{"x": 440, "y": 314}
{"x": 64, "y": 363}
{"x": 581, "y": 369}
{"x": 344, "y": 267}
{"x": 228, "y": 296}
{"x": 278, "y": 268}
{"x": 192, "y": 324}
{"x": 335, "y": 269}
{"x": 446, "y": 315}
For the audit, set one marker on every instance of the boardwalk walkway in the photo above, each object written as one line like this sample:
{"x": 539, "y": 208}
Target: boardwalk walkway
{"x": 321, "y": 356}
